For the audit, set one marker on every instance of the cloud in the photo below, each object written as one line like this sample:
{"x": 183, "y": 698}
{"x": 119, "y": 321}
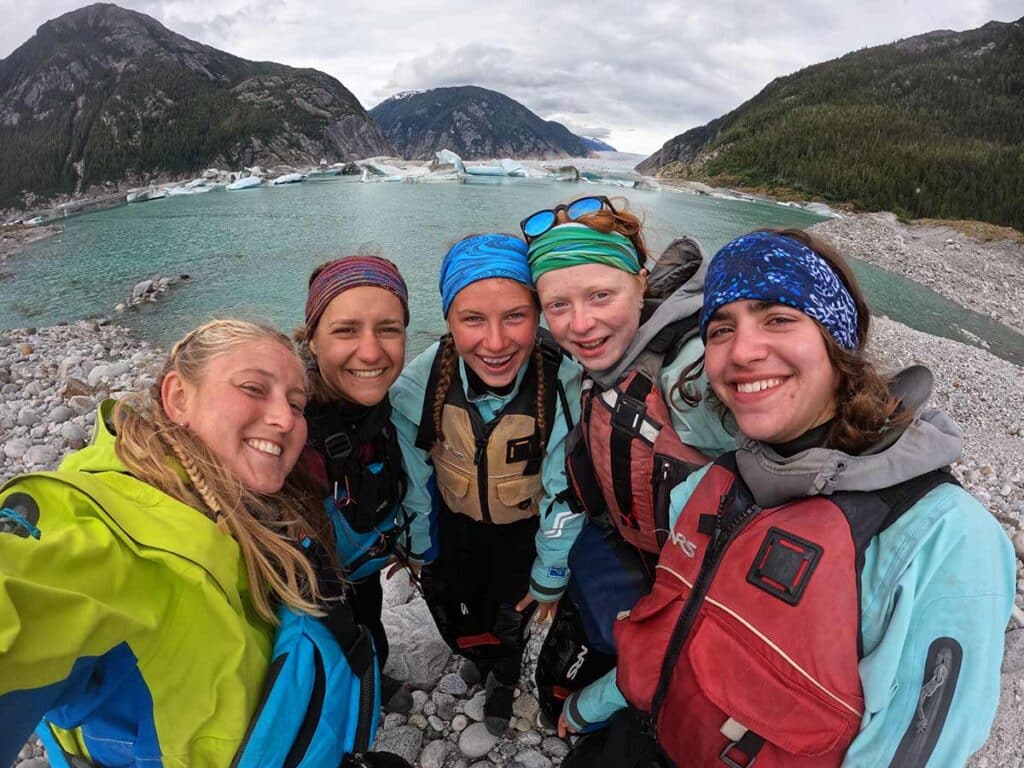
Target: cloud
{"x": 634, "y": 75}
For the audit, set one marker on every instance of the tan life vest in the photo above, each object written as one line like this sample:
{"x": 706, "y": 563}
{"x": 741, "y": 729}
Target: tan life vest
{"x": 491, "y": 472}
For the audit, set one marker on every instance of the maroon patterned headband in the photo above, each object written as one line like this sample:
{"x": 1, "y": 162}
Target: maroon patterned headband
{"x": 350, "y": 272}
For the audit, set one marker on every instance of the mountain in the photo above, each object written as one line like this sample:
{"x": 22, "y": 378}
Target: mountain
{"x": 596, "y": 145}
{"x": 103, "y": 93}
{"x": 928, "y": 126}
{"x": 472, "y": 122}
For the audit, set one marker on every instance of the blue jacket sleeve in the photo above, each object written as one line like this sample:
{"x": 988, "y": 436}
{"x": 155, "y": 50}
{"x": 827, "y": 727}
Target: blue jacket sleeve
{"x": 407, "y": 407}
{"x": 559, "y": 526}
{"x": 938, "y": 588}
{"x": 595, "y": 704}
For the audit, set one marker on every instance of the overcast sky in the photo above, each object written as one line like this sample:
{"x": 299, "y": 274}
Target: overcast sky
{"x": 632, "y": 74}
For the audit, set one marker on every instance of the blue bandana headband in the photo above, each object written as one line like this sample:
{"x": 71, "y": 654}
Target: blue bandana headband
{"x": 480, "y": 257}
{"x": 764, "y": 266}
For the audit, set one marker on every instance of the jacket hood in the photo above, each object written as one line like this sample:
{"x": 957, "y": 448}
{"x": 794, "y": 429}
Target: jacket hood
{"x": 683, "y": 303}
{"x": 931, "y": 441}
{"x": 99, "y": 455}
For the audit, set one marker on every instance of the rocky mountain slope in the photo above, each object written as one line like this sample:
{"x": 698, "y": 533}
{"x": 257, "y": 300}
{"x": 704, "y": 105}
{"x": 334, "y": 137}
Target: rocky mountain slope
{"x": 103, "y": 93}
{"x": 928, "y": 126}
{"x": 473, "y": 122}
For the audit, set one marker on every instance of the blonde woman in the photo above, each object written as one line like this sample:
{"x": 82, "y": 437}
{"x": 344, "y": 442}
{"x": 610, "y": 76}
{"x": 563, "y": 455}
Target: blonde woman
{"x": 139, "y": 583}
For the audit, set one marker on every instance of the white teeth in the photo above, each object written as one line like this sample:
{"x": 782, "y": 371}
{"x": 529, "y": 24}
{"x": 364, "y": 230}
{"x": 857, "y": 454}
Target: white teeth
{"x": 758, "y": 386}
{"x": 496, "y": 360}
{"x": 367, "y": 374}
{"x": 590, "y": 344}
{"x": 265, "y": 446}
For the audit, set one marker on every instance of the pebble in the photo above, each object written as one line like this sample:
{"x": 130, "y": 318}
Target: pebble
{"x": 1018, "y": 544}
{"x": 434, "y": 754}
{"x": 459, "y": 723}
{"x": 405, "y": 740}
{"x": 474, "y": 708}
{"x": 452, "y": 683}
{"x": 555, "y": 747}
{"x": 476, "y": 740}
{"x": 530, "y": 739}
{"x": 445, "y": 704}
{"x": 27, "y": 417}
{"x": 60, "y": 414}
{"x": 531, "y": 758}
{"x": 436, "y": 723}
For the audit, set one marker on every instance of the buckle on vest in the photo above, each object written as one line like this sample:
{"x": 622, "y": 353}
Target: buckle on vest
{"x": 338, "y": 446}
{"x": 724, "y": 756}
{"x": 629, "y": 414}
{"x": 784, "y": 565}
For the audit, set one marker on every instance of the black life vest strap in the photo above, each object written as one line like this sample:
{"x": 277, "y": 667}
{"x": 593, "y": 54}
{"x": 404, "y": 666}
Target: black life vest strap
{"x": 629, "y": 410}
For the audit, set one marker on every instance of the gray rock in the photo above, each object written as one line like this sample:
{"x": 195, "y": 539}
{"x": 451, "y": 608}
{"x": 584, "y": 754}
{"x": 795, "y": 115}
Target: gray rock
{"x": 60, "y": 414}
{"x": 27, "y": 417}
{"x": 74, "y": 435}
{"x": 452, "y": 683}
{"x": 82, "y": 404}
{"x": 419, "y": 698}
{"x": 41, "y": 456}
{"x": 459, "y": 723}
{"x": 97, "y": 374}
{"x": 530, "y": 739}
{"x": 531, "y": 758}
{"x": 525, "y": 706}
{"x": 405, "y": 740}
{"x": 141, "y": 289}
{"x": 474, "y": 708}
{"x": 555, "y": 747}
{"x": 436, "y": 723}
{"x": 35, "y": 762}
{"x": 10, "y": 389}
{"x": 418, "y": 720}
{"x": 418, "y": 654}
{"x": 398, "y": 590}
{"x": 476, "y": 740}
{"x": 15, "y": 448}
{"x": 1018, "y": 544}
{"x": 429, "y": 708}
{"x": 445, "y": 704}
{"x": 434, "y": 754}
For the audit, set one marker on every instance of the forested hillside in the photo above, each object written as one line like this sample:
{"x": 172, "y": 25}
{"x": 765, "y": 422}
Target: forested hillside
{"x": 929, "y": 126}
{"x": 103, "y": 93}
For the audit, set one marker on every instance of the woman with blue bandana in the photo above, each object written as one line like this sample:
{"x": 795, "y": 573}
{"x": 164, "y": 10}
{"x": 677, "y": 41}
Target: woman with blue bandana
{"x": 634, "y": 333}
{"x": 842, "y": 600}
{"x": 482, "y": 418}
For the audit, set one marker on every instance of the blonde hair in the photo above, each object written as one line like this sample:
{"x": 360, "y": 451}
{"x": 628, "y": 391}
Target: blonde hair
{"x": 266, "y": 526}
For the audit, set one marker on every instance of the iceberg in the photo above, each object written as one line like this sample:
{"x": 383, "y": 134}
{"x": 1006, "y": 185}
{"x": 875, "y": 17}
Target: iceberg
{"x": 143, "y": 195}
{"x": 249, "y": 182}
{"x": 288, "y": 178}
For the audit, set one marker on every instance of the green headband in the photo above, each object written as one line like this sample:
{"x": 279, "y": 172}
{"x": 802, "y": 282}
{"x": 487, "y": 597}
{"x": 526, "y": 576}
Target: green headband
{"x": 569, "y": 245}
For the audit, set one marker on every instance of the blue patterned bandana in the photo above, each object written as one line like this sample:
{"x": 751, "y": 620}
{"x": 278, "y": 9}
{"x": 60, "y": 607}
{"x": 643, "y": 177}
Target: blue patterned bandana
{"x": 480, "y": 257}
{"x": 764, "y": 266}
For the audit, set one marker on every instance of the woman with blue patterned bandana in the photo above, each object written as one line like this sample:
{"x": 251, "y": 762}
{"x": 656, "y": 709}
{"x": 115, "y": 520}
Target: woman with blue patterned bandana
{"x": 843, "y": 600}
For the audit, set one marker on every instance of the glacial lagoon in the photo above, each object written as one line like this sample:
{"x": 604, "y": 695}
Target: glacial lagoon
{"x": 249, "y": 253}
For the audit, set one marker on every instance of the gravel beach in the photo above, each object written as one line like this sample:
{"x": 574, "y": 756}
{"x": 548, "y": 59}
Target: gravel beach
{"x": 52, "y": 378}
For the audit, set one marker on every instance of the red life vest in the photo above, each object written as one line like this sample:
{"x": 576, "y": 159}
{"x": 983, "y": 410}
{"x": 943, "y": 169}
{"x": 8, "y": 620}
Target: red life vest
{"x": 749, "y": 642}
{"x": 629, "y": 453}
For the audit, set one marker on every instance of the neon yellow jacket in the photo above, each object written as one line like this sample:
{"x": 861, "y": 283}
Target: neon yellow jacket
{"x": 127, "y": 621}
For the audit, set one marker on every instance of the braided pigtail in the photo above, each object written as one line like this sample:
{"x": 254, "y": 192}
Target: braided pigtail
{"x": 449, "y": 359}
{"x": 538, "y": 362}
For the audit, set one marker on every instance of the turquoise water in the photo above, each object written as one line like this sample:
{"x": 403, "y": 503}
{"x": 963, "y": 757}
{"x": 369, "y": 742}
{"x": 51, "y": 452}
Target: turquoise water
{"x": 250, "y": 253}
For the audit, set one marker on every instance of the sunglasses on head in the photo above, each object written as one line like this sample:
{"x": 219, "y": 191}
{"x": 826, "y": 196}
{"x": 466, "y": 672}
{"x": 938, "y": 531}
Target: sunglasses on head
{"x": 536, "y": 224}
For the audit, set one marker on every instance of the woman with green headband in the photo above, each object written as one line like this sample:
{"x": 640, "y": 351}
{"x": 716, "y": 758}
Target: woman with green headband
{"x": 634, "y": 441}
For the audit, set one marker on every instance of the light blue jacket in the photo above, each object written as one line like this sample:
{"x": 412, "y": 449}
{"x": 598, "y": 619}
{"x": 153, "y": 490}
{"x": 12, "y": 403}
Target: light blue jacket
{"x": 558, "y": 525}
{"x": 944, "y": 569}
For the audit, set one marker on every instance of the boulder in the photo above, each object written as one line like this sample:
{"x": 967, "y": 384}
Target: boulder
{"x": 418, "y": 654}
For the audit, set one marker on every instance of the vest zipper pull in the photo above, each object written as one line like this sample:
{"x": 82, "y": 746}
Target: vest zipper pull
{"x": 481, "y": 446}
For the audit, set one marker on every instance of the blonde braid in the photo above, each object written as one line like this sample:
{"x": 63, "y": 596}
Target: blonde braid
{"x": 449, "y": 359}
{"x": 538, "y": 361}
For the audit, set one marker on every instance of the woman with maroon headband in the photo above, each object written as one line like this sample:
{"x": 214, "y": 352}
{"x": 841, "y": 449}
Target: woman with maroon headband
{"x": 353, "y": 340}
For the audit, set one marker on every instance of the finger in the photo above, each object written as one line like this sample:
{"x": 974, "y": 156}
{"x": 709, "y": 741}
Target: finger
{"x": 523, "y": 604}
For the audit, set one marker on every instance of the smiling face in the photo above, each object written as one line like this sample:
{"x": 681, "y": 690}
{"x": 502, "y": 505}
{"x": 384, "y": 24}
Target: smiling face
{"x": 494, "y": 326}
{"x": 769, "y": 365}
{"x": 247, "y": 408}
{"x": 593, "y": 311}
{"x": 359, "y": 344}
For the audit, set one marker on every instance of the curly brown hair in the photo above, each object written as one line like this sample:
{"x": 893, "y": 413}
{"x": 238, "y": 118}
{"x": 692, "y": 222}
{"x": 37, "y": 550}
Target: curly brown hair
{"x": 865, "y": 404}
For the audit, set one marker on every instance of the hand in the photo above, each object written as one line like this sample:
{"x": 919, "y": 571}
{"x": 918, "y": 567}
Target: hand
{"x": 546, "y": 611}
{"x": 396, "y": 566}
{"x": 564, "y": 729}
